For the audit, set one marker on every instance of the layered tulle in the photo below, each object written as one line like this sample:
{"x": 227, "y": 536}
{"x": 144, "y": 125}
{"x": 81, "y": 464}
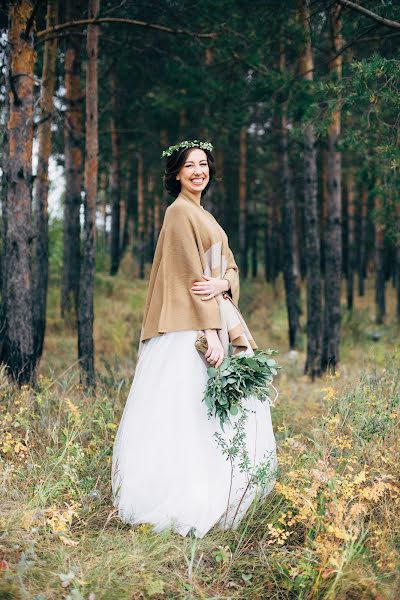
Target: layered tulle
{"x": 167, "y": 467}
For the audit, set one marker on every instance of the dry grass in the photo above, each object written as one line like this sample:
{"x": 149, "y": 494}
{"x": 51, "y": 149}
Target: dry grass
{"x": 329, "y": 530}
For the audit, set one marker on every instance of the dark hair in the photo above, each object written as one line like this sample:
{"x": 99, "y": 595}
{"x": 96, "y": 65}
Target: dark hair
{"x": 173, "y": 166}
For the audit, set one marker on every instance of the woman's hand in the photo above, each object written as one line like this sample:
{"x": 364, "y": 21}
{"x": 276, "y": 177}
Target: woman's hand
{"x": 215, "y": 351}
{"x": 211, "y": 287}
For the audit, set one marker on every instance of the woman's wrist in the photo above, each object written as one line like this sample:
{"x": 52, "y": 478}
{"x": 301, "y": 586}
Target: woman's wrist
{"x": 228, "y": 285}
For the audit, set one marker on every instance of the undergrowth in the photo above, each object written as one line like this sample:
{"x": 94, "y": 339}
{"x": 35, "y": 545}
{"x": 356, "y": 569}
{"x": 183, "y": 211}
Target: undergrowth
{"x": 329, "y": 530}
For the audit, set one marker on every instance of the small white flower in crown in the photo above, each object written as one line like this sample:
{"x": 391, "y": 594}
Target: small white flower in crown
{"x": 187, "y": 144}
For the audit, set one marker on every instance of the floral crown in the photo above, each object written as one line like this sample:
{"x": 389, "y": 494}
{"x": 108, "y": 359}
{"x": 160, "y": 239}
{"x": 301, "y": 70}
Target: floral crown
{"x": 186, "y": 144}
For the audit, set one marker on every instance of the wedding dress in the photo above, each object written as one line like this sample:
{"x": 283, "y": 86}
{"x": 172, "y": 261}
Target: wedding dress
{"x": 168, "y": 468}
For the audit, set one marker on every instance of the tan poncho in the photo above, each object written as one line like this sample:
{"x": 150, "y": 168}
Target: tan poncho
{"x": 192, "y": 243}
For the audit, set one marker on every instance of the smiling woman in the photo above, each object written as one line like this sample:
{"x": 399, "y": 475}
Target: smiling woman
{"x": 189, "y": 168}
{"x": 167, "y": 467}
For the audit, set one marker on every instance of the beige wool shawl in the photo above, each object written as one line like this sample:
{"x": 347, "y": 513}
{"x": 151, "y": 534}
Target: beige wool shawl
{"x": 192, "y": 243}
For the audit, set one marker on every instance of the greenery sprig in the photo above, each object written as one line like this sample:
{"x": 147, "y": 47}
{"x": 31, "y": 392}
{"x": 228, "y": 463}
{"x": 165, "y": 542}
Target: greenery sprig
{"x": 238, "y": 377}
{"x": 187, "y": 144}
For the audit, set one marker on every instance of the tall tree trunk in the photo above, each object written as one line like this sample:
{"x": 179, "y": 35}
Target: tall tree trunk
{"x": 350, "y": 238}
{"x": 127, "y": 213}
{"x": 140, "y": 202}
{"x": 271, "y": 240}
{"x": 102, "y": 201}
{"x": 362, "y": 242}
{"x": 157, "y": 215}
{"x": 150, "y": 215}
{"x": 41, "y": 263}
{"x": 85, "y": 305}
{"x": 291, "y": 275}
{"x": 254, "y": 231}
{"x": 114, "y": 178}
{"x": 242, "y": 201}
{"x": 311, "y": 219}
{"x": 398, "y": 262}
{"x": 380, "y": 279}
{"x": 253, "y": 223}
{"x": 4, "y": 177}
{"x": 333, "y": 237}
{"x": 17, "y": 351}
{"x": 73, "y": 171}
{"x": 324, "y": 207}
{"x": 220, "y": 184}
{"x": 164, "y": 195}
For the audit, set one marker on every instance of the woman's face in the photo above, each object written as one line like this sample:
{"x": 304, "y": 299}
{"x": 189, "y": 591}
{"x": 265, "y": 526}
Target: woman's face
{"x": 194, "y": 174}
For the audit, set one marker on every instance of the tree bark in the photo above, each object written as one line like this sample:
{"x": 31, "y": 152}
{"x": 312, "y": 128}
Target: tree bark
{"x": 73, "y": 173}
{"x": 150, "y": 215}
{"x": 140, "y": 203}
{"x": 398, "y": 263}
{"x": 362, "y": 241}
{"x": 4, "y": 177}
{"x": 41, "y": 264}
{"x": 85, "y": 304}
{"x": 220, "y": 184}
{"x": 291, "y": 275}
{"x": 243, "y": 202}
{"x": 350, "y": 239}
{"x": 333, "y": 235}
{"x": 311, "y": 218}
{"x": 114, "y": 178}
{"x": 127, "y": 213}
{"x": 380, "y": 279}
{"x": 253, "y": 221}
{"x": 17, "y": 351}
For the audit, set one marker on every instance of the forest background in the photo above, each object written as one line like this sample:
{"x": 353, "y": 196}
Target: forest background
{"x": 301, "y": 102}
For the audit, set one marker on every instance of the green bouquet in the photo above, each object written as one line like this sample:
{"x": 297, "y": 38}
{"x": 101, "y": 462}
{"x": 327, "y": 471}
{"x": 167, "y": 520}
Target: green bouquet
{"x": 239, "y": 376}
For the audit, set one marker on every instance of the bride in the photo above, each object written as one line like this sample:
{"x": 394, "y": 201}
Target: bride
{"x": 172, "y": 466}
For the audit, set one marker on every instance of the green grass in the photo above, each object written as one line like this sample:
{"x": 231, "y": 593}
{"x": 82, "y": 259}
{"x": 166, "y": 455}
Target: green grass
{"x": 330, "y": 529}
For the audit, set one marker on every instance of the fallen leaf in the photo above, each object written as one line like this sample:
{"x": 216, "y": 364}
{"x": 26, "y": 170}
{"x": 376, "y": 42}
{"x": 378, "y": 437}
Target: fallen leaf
{"x": 67, "y": 541}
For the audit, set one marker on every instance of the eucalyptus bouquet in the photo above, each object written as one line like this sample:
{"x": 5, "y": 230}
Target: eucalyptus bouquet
{"x": 238, "y": 377}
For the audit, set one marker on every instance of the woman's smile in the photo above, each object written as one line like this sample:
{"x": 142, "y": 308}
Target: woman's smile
{"x": 197, "y": 180}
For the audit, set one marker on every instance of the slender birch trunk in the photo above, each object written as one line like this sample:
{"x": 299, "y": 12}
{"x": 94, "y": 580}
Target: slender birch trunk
{"x": 17, "y": 350}
{"x": 85, "y": 304}
{"x": 41, "y": 264}
{"x": 73, "y": 171}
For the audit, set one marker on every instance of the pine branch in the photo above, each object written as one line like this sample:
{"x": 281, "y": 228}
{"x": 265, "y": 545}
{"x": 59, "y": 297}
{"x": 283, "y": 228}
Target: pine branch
{"x": 99, "y": 21}
{"x": 370, "y": 14}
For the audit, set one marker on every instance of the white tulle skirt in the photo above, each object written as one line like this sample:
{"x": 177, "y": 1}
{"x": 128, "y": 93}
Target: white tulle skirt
{"x": 168, "y": 469}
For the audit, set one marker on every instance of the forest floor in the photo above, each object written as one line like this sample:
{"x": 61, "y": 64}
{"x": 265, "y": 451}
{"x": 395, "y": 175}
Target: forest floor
{"x": 329, "y": 530}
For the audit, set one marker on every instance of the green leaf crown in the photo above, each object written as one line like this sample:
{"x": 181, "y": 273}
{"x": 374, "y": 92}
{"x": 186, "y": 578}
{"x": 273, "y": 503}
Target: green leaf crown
{"x": 187, "y": 144}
